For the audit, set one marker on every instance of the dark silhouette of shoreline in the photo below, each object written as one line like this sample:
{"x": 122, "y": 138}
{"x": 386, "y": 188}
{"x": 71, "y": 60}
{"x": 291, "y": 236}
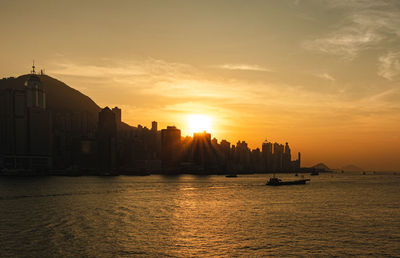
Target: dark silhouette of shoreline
{"x": 48, "y": 128}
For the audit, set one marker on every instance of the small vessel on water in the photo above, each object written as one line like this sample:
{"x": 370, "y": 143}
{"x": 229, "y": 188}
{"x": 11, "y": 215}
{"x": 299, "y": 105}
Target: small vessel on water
{"x": 231, "y": 175}
{"x": 314, "y": 173}
{"x": 274, "y": 181}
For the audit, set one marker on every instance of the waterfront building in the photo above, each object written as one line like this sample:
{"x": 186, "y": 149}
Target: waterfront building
{"x": 25, "y": 126}
{"x": 170, "y": 147}
{"x": 107, "y": 140}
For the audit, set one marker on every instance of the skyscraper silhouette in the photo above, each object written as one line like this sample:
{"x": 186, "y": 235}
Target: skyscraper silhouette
{"x": 170, "y": 147}
{"x": 202, "y": 150}
{"x": 106, "y": 141}
{"x": 25, "y": 126}
{"x": 154, "y": 126}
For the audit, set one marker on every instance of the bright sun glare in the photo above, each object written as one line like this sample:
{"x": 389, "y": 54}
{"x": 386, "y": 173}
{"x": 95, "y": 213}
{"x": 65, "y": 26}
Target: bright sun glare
{"x": 199, "y": 123}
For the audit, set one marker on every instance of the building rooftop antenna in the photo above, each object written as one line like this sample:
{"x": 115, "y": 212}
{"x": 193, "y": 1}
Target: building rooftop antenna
{"x": 33, "y": 67}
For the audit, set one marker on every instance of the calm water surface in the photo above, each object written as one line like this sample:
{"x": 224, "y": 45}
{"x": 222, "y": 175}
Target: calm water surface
{"x": 336, "y": 214}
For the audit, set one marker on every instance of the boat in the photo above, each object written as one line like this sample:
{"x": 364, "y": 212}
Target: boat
{"x": 314, "y": 173}
{"x": 274, "y": 181}
{"x": 231, "y": 175}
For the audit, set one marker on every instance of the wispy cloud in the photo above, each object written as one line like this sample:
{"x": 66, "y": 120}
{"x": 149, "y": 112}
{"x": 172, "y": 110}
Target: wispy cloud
{"x": 155, "y": 77}
{"x": 243, "y": 67}
{"x": 120, "y": 69}
{"x": 389, "y": 65}
{"x": 184, "y": 87}
{"x": 345, "y": 43}
{"x": 325, "y": 76}
{"x": 356, "y": 4}
{"x": 365, "y": 24}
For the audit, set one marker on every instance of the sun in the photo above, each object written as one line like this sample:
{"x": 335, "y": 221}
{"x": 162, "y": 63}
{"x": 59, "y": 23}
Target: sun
{"x": 199, "y": 123}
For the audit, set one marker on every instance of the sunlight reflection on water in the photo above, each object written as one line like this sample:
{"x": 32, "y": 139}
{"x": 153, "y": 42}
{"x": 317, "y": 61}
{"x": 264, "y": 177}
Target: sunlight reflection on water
{"x": 193, "y": 216}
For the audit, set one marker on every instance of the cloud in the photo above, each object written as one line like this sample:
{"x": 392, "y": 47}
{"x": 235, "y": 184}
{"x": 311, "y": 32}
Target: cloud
{"x": 152, "y": 77}
{"x": 153, "y": 88}
{"x": 365, "y": 24}
{"x": 243, "y": 67}
{"x": 389, "y": 65}
{"x": 356, "y": 4}
{"x": 122, "y": 69}
{"x": 325, "y": 76}
{"x": 346, "y": 43}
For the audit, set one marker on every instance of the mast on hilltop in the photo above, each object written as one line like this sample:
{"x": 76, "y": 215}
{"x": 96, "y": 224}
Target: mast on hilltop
{"x": 33, "y": 67}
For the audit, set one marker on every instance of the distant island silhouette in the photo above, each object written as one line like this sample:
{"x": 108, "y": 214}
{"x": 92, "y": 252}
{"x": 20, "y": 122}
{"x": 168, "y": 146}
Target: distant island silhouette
{"x": 321, "y": 166}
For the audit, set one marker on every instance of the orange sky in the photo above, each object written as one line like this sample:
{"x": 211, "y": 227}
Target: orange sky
{"x": 322, "y": 75}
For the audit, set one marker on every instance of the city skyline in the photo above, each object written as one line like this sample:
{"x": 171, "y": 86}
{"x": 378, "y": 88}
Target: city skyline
{"x": 199, "y": 128}
{"x": 49, "y": 128}
{"x": 321, "y": 75}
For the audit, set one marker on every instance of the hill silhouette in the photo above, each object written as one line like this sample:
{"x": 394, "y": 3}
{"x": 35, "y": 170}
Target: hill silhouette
{"x": 59, "y": 96}
{"x": 321, "y": 166}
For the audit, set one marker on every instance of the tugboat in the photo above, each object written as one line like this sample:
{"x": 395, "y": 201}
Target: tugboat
{"x": 274, "y": 181}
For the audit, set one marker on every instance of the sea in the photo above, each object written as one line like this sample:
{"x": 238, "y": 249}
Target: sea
{"x": 192, "y": 216}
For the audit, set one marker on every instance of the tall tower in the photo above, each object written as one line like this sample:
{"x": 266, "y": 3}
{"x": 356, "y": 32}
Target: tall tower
{"x": 36, "y": 96}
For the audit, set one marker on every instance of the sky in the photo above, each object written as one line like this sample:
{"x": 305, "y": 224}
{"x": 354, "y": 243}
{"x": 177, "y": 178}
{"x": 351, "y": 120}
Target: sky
{"x": 323, "y": 75}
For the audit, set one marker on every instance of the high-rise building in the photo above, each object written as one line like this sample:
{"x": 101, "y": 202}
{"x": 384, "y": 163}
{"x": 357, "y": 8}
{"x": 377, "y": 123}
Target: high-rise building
{"x": 170, "y": 147}
{"x": 299, "y": 161}
{"x": 225, "y": 153}
{"x": 256, "y": 161}
{"x": 278, "y": 157}
{"x": 25, "y": 126}
{"x": 107, "y": 141}
{"x": 225, "y": 149}
{"x": 267, "y": 155}
{"x": 202, "y": 137}
{"x": 202, "y": 150}
{"x": 118, "y": 113}
{"x": 287, "y": 157}
{"x": 154, "y": 126}
{"x": 35, "y": 94}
